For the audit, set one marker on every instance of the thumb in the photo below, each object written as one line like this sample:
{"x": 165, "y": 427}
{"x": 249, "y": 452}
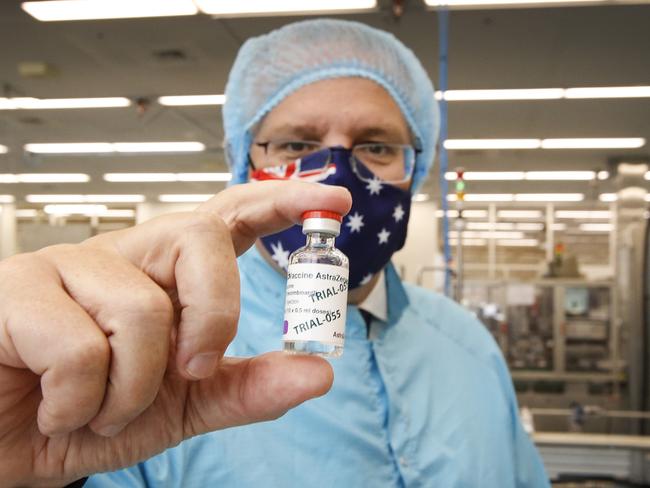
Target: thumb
{"x": 255, "y": 389}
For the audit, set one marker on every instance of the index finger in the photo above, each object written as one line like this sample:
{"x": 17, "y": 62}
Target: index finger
{"x": 256, "y": 209}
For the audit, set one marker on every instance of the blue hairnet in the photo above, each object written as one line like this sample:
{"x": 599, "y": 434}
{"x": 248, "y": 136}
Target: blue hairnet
{"x": 271, "y": 67}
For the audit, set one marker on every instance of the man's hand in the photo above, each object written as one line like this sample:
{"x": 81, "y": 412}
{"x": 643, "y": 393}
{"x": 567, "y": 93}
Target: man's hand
{"x": 112, "y": 350}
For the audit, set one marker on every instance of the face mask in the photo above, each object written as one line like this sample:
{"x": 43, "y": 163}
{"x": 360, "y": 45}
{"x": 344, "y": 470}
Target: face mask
{"x": 373, "y": 230}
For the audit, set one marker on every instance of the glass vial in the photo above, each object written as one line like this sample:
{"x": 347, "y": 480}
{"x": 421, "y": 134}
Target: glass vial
{"x": 317, "y": 289}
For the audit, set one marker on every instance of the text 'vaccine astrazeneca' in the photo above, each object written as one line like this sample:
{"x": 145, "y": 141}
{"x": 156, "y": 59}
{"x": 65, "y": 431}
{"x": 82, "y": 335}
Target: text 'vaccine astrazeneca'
{"x": 317, "y": 289}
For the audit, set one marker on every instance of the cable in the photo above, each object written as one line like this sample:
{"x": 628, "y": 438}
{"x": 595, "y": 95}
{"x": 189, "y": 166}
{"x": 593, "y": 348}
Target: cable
{"x": 443, "y": 40}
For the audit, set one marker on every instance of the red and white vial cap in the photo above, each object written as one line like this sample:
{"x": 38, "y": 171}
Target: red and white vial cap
{"x": 324, "y": 221}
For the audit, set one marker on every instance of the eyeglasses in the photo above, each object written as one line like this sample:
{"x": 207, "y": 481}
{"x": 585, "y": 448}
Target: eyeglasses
{"x": 391, "y": 163}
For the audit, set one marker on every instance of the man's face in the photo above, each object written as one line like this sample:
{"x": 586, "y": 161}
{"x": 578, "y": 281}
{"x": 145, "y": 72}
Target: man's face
{"x": 337, "y": 112}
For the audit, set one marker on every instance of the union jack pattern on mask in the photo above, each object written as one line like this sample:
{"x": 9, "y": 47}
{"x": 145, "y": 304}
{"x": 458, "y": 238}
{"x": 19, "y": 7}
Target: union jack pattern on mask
{"x": 372, "y": 231}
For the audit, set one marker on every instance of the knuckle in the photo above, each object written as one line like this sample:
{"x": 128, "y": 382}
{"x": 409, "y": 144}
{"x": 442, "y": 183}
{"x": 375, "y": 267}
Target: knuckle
{"x": 90, "y": 355}
{"x": 206, "y": 222}
{"x": 150, "y": 301}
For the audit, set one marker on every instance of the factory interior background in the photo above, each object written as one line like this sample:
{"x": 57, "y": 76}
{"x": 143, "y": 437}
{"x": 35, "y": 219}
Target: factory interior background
{"x": 547, "y": 152}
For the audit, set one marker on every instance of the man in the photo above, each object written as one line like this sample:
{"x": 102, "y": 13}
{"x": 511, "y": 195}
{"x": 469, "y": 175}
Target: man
{"x": 421, "y": 396}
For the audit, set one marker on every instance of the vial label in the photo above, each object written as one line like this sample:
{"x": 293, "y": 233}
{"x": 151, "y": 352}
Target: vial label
{"x": 316, "y": 302}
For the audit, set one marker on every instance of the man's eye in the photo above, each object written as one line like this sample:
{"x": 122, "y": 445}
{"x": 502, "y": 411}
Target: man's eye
{"x": 296, "y": 146}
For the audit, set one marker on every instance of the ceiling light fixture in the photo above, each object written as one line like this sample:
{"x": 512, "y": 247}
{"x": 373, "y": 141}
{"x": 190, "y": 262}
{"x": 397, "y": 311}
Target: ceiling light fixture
{"x": 477, "y": 144}
{"x": 74, "y": 209}
{"x": 7, "y": 199}
{"x": 600, "y": 227}
{"x": 115, "y": 147}
{"x": 594, "y": 143}
{"x": 85, "y": 198}
{"x": 505, "y": 3}
{"x": 45, "y": 178}
{"x": 178, "y": 198}
{"x": 190, "y": 100}
{"x": 58, "y": 10}
{"x": 549, "y": 197}
{"x": 608, "y": 92}
{"x": 28, "y": 103}
{"x": 515, "y": 94}
{"x": 564, "y": 143}
{"x": 519, "y": 214}
{"x": 165, "y": 177}
{"x": 257, "y": 7}
{"x": 583, "y": 214}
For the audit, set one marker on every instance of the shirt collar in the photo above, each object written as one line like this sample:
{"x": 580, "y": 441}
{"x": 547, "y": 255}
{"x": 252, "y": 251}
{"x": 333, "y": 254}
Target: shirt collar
{"x": 376, "y": 302}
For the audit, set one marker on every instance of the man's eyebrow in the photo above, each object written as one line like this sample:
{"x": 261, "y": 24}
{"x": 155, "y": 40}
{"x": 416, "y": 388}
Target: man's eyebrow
{"x": 301, "y": 131}
{"x": 387, "y": 134}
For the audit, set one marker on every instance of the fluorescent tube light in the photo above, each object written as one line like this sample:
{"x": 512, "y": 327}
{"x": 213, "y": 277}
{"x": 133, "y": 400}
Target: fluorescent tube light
{"x": 492, "y": 234}
{"x": 484, "y": 197}
{"x": 474, "y": 144}
{"x": 519, "y": 214}
{"x": 7, "y": 199}
{"x": 3, "y": 149}
{"x": 139, "y": 177}
{"x": 600, "y": 227}
{"x": 560, "y": 175}
{"x": 69, "y": 148}
{"x": 58, "y": 10}
{"x": 523, "y": 226}
{"x": 526, "y": 175}
{"x": 420, "y": 197}
{"x": 487, "y": 175}
{"x": 490, "y": 226}
{"x": 549, "y": 197}
{"x": 62, "y": 103}
{"x": 54, "y": 209}
{"x": 190, "y": 100}
{"x": 85, "y": 198}
{"x": 193, "y": 198}
{"x": 467, "y": 214}
{"x": 118, "y": 213}
{"x": 608, "y": 92}
{"x": 108, "y": 147}
{"x": 165, "y": 177}
{"x": 45, "y": 178}
{"x": 250, "y": 7}
{"x": 583, "y": 214}
{"x": 138, "y": 147}
{"x": 594, "y": 143}
{"x": 516, "y": 94}
{"x": 608, "y": 197}
{"x": 518, "y": 242}
{"x": 496, "y": 3}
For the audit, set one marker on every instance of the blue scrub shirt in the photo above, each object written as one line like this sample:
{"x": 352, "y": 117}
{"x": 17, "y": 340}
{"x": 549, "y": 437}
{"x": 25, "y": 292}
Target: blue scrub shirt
{"x": 428, "y": 401}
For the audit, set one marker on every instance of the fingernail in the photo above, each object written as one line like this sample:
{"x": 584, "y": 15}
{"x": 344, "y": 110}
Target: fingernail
{"x": 202, "y": 365}
{"x": 111, "y": 430}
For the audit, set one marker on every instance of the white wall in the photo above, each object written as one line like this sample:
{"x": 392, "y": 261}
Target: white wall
{"x": 420, "y": 248}
{"x": 7, "y": 231}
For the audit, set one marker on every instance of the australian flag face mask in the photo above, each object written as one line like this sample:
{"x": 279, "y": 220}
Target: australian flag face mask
{"x": 373, "y": 230}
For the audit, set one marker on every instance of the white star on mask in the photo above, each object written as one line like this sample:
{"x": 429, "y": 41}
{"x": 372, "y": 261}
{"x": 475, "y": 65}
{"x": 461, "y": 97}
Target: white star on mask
{"x": 366, "y": 279}
{"x": 398, "y": 214}
{"x": 374, "y": 186}
{"x": 355, "y": 222}
{"x": 383, "y": 236}
{"x": 280, "y": 255}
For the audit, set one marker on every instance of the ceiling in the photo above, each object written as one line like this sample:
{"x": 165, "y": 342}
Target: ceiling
{"x": 139, "y": 58}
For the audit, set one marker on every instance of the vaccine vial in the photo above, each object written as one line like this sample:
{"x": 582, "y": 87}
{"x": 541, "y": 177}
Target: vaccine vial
{"x": 317, "y": 289}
